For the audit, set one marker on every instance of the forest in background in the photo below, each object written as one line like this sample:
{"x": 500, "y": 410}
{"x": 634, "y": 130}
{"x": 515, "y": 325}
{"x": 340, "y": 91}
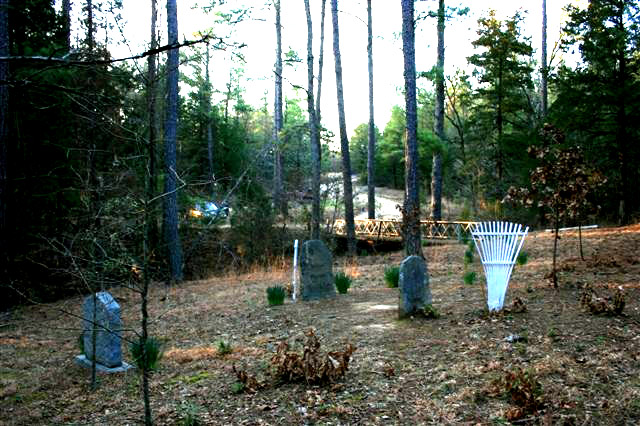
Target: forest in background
{"x": 92, "y": 153}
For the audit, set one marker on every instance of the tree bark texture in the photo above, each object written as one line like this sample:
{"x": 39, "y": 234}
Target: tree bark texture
{"x": 314, "y": 131}
{"x": 278, "y": 200}
{"x": 66, "y": 22}
{"x": 210, "y": 140}
{"x": 172, "y": 237}
{"x": 436, "y": 176}
{"x": 4, "y": 129}
{"x": 544, "y": 72}
{"x": 152, "y": 70}
{"x": 90, "y": 26}
{"x": 344, "y": 139}
{"x": 320, "y": 64}
{"x": 371, "y": 151}
{"x": 411, "y": 208}
{"x": 149, "y": 238}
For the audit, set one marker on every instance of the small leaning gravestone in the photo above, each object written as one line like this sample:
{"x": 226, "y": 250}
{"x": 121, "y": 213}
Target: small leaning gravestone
{"x": 316, "y": 271}
{"x": 108, "y": 324}
{"x": 414, "y": 290}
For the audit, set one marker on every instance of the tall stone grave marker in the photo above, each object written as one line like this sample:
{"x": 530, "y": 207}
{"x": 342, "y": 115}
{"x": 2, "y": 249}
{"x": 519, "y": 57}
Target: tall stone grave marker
{"x": 316, "y": 271}
{"x": 108, "y": 353}
{"x": 414, "y": 288}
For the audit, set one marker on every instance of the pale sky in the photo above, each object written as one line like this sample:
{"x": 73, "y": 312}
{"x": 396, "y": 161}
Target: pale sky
{"x": 259, "y": 35}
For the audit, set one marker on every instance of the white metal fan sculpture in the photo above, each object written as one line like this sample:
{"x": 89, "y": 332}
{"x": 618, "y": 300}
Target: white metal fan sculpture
{"x": 498, "y": 244}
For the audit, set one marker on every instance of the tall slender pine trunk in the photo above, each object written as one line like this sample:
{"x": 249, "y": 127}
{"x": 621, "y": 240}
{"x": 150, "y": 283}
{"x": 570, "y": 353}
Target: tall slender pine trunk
{"x": 411, "y": 208}
{"x": 152, "y": 111}
{"x": 278, "y": 196}
{"x": 209, "y": 120}
{"x": 320, "y": 65}
{"x": 371, "y": 151}
{"x": 149, "y": 239}
{"x": 172, "y": 236}
{"x": 4, "y": 132}
{"x": 344, "y": 140}
{"x": 544, "y": 71}
{"x": 66, "y": 22}
{"x": 436, "y": 176}
{"x": 313, "y": 130}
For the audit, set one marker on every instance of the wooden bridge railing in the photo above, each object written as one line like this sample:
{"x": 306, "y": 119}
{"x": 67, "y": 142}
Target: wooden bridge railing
{"x": 385, "y": 229}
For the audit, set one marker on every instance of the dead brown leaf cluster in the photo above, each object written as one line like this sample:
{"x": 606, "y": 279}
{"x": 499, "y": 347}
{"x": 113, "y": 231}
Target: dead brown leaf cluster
{"x": 522, "y": 390}
{"x": 597, "y": 305}
{"x": 312, "y": 366}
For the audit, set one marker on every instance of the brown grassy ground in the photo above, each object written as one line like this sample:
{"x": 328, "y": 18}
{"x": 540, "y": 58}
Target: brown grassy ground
{"x": 440, "y": 371}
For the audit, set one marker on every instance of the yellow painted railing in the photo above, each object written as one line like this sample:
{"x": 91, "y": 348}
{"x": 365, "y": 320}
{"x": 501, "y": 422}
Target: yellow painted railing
{"x": 385, "y": 229}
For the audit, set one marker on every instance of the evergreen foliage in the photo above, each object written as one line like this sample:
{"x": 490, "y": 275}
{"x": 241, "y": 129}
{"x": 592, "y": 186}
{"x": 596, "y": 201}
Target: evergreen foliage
{"x": 604, "y": 92}
{"x": 146, "y": 353}
{"x": 343, "y": 282}
{"x": 276, "y": 295}
{"x": 501, "y": 108}
{"x": 392, "y": 276}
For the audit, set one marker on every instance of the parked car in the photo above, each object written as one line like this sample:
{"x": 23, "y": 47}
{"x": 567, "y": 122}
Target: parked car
{"x": 209, "y": 211}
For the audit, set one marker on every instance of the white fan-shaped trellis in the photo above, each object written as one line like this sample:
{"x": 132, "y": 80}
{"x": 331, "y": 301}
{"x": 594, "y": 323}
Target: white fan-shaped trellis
{"x": 498, "y": 244}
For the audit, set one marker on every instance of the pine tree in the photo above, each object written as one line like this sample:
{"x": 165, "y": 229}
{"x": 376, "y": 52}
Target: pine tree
{"x": 504, "y": 72}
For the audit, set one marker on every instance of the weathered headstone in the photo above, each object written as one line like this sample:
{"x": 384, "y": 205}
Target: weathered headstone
{"x": 108, "y": 348}
{"x": 414, "y": 290}
{"x": 316, "y": 271}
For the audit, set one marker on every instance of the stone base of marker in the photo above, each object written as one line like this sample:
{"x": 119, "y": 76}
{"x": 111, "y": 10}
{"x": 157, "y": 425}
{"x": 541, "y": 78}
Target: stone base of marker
{"x": 83, "y": 361}
{"x": 413, "y": 287}
{"x": 316, "y": 271}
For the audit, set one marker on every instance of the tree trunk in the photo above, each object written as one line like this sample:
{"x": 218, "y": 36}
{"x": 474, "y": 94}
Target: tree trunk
{"x": 499, "y": 124}
{"x": 4, "y": 131}
{"x": 580, "y": 241}
{"x": 411, "y": 208}
{"x": 344, "y": 140}
{"x": 149, "y": 241}
{"x": 320, "y": 65}
{"x": 627, "y": 199}
{"x": 172, "y": 236}
{"x": 371, "y": 151}
{"x": 66, "y": 22}
{"x": 152, "y": 88}
{"x": 436, "y": 176}
{"x": 556, "y": 230}
{"x": 314, "y": 131}
{"x": 149, "y": 223}
{"x": 278, "y": 200}
{"x": 210, "y": 141}
{"x": 544, "y": 72}
{"x": 90, "y": 27}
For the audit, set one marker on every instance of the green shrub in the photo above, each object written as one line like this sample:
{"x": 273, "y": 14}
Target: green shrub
{"x": 276, "y": 295}
{"x": 469, "y": 277}
{"x": 152, "y": 347}
{"x": 237, "y": 387}
{"x": 464, "y": 237}
{"x": 468, "y": 257}
{"x": 431, "y": 312}
{"x": 343, "y": 282}
{"x": 392, "y": 276}
{"x": 224, "y": 348}
{"x": 522, "y": 258}
{"x": 191, "y": 414}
